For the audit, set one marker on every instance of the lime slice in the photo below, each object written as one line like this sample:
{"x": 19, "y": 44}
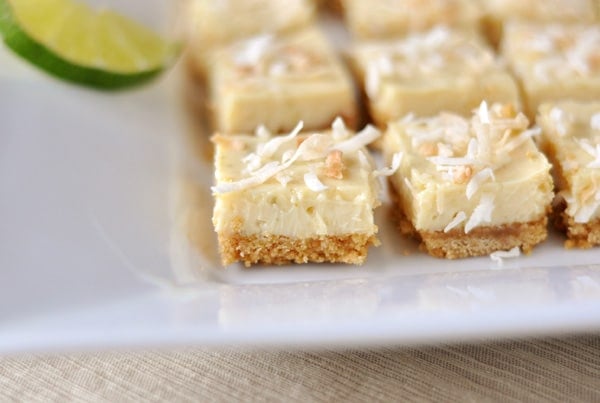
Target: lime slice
{"x": 70, "y": 40}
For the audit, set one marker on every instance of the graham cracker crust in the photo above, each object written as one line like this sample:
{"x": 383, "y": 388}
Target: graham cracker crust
{"x": 579, "y": 235}
{"x": 582, "y": 235}
{"x": 279, "y": 249}
{"x": 480, "y": 241}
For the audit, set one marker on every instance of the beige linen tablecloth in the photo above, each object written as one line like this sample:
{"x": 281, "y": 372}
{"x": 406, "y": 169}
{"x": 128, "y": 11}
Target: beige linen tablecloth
{"x": 565, "y": 369}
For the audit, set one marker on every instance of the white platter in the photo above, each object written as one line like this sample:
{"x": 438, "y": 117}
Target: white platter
{"x": 93, "y": 253}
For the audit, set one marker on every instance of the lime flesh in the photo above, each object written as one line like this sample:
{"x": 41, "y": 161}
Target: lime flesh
{"x": 74, "y": 42}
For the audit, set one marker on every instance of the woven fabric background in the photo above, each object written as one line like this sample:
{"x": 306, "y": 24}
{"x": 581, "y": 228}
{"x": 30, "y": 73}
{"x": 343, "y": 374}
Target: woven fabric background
{"x": 565, "y": 369}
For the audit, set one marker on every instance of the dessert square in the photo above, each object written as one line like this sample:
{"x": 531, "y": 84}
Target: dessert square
{"x": 216, "y": 23}
{"x": 554, "y": 62}
{"x": 297, "y": 198}
{"x": 571, "y": 139}
{"x": 469, "y": 187}
{"x": 276, "y": 81}
{"x": 498, "y": 12}
{"x": 425, "y": 73}
{"x": 395, "y": 18}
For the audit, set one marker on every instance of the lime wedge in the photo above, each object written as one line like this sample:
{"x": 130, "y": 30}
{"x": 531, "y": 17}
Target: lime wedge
{"x": 70, "y": 40}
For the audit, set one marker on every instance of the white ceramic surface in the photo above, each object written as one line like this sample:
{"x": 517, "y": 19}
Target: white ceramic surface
{"x": 93, "y": 252}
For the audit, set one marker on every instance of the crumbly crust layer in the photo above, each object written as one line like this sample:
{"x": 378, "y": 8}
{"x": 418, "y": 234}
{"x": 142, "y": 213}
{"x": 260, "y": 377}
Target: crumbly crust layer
{"x": 480, "y": 241}
{"x": 579, "y": 235}
{"x": 279, "y": 249}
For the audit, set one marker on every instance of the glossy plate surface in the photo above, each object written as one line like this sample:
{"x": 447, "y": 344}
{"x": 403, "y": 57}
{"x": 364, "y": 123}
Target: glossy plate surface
{"x": 97, "y": 193}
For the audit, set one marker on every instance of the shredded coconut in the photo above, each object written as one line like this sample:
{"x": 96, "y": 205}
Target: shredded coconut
{"x": 449, "y": 161}
{"x": 595, "y": 121}
{"x": 313, "y": 183}
{"x": 477, "y": 180}
{"x": 258, "y": 177}
{"x": 362, "y": 157}
{"x": 283, "y": 178}
{"x": 270, "y": 147}
{"x": 458, "y": 219}
{"x": 252, "y": 162}
{"x": 483, "y": 113}
{"x": 338, "y": 129}
{"x": 262, "y": 132}
{"x": 585, "y": 212}
{"x": 558, "y": 117}
{"x": 253, "y": 50}
{"x": 499, "y": 255}
{"x": 482, "y": 213}
{"x": 593, "y": 151}
{"x": 389, "y": 171}
{"x": 361, "y": 139}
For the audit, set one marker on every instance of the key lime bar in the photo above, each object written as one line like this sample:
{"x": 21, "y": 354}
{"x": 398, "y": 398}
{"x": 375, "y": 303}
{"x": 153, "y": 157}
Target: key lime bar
{"x": 469, "y": 187}
{"x": 214, "y": 23}
{"x": 394, "y": 18}
{"x": 276, "y": 81}
{"x": 296, "y": 198}
{"x": 554, "y": 62}
{"x": 440, "y": 70}
{"x": 571, "y": 139}
{"x": 498, "y": 12}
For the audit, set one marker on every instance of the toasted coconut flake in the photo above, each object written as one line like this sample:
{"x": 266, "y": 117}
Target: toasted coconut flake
{"x": 313, "y": 183}
{"x": 428, "y": 149}
{"x": 458, "y": 219}
{"x": 389, "y": 171}
{"x": 334, "y": 165}
{"x": 482, "y": 213}
{"x": 477, "y": 180}
{"x": 444, "y": 150}
{"x": 500, "y": 255}
{"x": 361, "y": 139}
{"x": 461, "y": 174}
{"x": 270, "y": 147}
